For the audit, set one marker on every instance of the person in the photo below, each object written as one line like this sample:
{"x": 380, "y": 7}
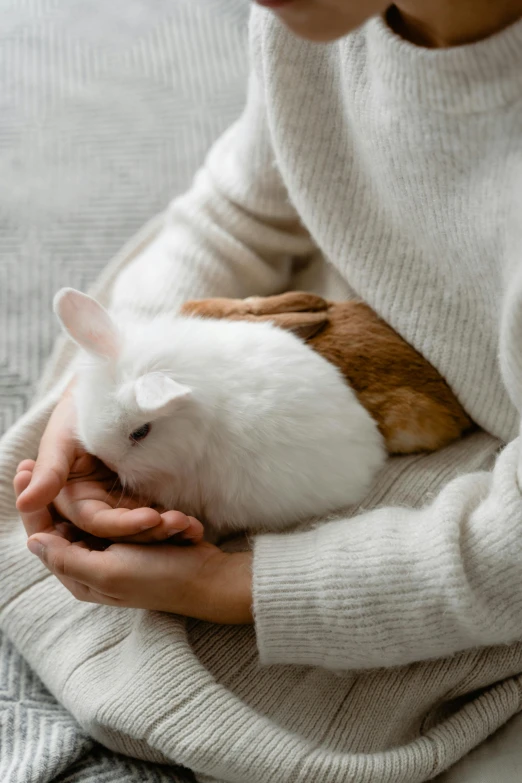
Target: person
{"x": 383, "y": 141}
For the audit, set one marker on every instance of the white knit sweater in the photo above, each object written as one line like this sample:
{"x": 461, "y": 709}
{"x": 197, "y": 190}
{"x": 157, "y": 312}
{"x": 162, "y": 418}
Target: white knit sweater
{"x": 399, "y": 166}
{"x": 396, "y": 163}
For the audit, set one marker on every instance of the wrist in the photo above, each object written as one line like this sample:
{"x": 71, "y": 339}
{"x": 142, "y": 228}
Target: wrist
{"x": 227, "y": 589}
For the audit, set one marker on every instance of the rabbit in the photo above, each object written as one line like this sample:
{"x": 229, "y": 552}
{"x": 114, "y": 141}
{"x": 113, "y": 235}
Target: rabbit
{"x": 239, "y": 424}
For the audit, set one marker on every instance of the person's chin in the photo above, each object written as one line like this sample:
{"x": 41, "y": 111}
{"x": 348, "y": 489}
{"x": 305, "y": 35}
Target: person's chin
{"x": 315, "y": 34}
{"x": 312, "y": 21}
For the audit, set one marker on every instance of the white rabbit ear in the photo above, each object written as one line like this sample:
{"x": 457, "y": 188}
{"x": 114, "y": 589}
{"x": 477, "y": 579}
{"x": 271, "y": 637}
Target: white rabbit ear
{"x": 158, "y": 394}
{"x": 87, "y": 323}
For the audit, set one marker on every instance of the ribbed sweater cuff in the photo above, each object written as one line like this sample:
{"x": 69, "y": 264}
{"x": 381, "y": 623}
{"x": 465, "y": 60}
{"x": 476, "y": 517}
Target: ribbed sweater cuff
{"x": 286, "y": 609}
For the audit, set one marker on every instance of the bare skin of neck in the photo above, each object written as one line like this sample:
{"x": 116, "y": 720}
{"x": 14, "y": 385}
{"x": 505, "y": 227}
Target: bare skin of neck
{"x": 438, "y": 24}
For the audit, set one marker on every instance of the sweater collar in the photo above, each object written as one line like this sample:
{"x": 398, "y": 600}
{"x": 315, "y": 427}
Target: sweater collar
{"x": 464, "y": 79}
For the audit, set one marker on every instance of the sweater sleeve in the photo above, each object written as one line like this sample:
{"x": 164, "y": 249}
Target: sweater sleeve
{"x": 394, "y": 586}
{"x": 234, "y": 233}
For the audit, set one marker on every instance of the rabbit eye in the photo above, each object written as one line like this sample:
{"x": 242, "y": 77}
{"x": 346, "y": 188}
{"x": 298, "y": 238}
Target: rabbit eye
{"x": 140, "y": 433}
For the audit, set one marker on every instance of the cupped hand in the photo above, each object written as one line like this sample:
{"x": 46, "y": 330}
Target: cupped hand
{"x": 85, "y": 492}
{"x": 93, "y": 500}
{"x": 197, "y": 581}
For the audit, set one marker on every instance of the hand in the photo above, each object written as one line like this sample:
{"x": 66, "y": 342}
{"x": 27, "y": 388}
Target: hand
{"x": 94, "y": 502}
{"x": 198, "y": 581}
{"x": 87, "y": 493}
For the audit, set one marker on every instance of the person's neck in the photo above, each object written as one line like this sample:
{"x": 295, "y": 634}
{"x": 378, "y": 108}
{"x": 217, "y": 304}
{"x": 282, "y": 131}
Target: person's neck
{"x": 443, "y": 23}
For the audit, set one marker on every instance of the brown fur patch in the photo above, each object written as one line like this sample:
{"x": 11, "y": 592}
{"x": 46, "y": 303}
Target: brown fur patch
{"x": 412, "y": 404}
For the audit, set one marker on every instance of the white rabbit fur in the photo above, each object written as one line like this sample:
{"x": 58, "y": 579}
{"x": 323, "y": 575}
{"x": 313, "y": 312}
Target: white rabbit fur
{"x": 250, "y": 428}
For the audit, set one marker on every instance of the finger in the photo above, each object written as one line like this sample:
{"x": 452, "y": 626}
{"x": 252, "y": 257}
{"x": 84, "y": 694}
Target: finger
{"x": 37, "y": 521}
{"x": 21, "y": 481}
{"x": 57, "y": 451}
{"x": 98, "y": 518}
{"x": 26, "y": 464}
{"x": 187, "y": 528}
{"x": 194, "y": 533}
{"x": 173, "y": 525}
{"x": 98, "y": 570}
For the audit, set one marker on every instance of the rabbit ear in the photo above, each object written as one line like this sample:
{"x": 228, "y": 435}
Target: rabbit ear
{"x": 87, "y": 323}
{"x": 158, "y": 394}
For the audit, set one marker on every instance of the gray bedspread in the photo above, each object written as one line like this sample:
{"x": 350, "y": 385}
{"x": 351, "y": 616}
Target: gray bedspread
{"x": 106, "y": 110}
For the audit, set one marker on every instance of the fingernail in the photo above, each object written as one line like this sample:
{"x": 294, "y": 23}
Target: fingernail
{"x": 35, "y": 547}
